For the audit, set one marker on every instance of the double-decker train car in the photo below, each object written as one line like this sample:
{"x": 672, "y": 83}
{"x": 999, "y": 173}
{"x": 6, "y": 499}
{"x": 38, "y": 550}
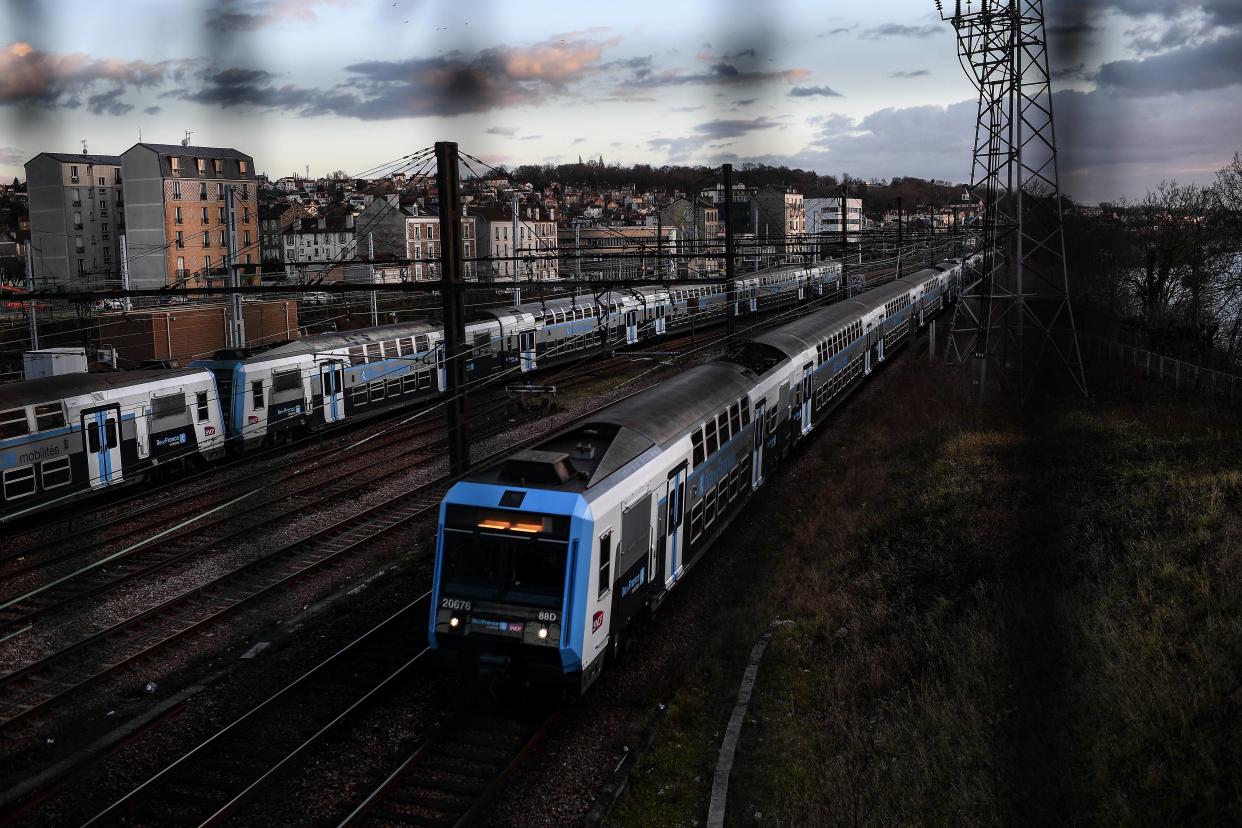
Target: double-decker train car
{"x": 544, "y": 558}
{"x": 66, "y": 436}
{"x": 323, "y": 379}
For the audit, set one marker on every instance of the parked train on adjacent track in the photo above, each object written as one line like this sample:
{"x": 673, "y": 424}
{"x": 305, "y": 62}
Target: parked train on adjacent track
{"x": 238, "y": 400}
{"x": 543, "y": 559}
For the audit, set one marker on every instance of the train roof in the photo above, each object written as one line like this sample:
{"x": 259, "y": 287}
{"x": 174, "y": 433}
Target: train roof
{"x": 319, "y": 343}
{"x": 794, "y": 338}
{"x": 47, "y": 389}
{"x": 621, "y": 432}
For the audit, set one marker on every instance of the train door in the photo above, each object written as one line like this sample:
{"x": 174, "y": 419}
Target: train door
{"x": 801, "y": 289}
{"x": 674, "y": 547}
{"x": 441, "y": 376}
{"x": 754, "y": 298}
{"x": 661, "y": 324}
{"x": 808, "y": 377}
{"x": 101, "y": 438}
{"x": 526, "y": 347}
{"x": 760, "y": 435}
{"x": 631, "y": 327}
{"x": 332, "y": 380}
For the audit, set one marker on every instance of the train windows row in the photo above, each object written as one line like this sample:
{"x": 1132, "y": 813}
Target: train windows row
{"x": 47, "y": 416}
{"x": 717, "y": 431}
{"x": 376, "y": 390}
{"x": 20, "y": 482}
{"x": 897, "y": 304}
{"x": 718, "y": 497}
{"x": 375, "y": 351}
{"x": 836, "y": 343}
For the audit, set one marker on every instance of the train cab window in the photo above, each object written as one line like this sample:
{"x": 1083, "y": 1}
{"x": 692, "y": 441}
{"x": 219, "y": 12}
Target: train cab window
{"x": 201, "y": 411}
{"x": 56, "y": 473}
{"x": 605, "y": 563}
{"x": 167, "y": 406}
{"x": 422, "y": 343}
{"x": 19, "y": 482}
{"x": 735, "y": 418}
{"x": 357, "y": 355}
{"x": 375, "y": 352}
{"x": 286, "y": 381}
{"x": 696, "y": 440}
{"x": 13, "y": 423}
{"x": 710, "y": 434}
{"x": 49, "y": 416}
{"x": 722, "y": 423}
{"x": 256, "y": 393}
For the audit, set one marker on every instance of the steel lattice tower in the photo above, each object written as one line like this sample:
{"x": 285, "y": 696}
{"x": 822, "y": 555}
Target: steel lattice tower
{"x": 1015, "y": 311}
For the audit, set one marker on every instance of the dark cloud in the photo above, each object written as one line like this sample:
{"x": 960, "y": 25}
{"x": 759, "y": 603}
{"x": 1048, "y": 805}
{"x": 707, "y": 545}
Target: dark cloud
{"x": 1212, "y": 65}
{"x": 153, "y": 110}
{"x": 11, "y": 156}
{"x": 108, "y": 102}
{"x": 31, "y": 77}
{"x": 714, "y": 130}
{"x": 719, "y": 73}
{"x": 687, "y": 108}
{"x": 744, "y": 53}
{"x": 910, "y": 73}
{"x": 251, "y": 15}
{"x": 898, "y": 30}
{"x": 745, "y": 102}
{"x": 579, "y": 141}
{"x": 507, "y": 132}
{"x": 838, "y": 30}
{"x": 814, "y": 91}
{"x": 453, "y": 83}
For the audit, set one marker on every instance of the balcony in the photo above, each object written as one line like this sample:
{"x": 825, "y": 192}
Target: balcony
{"x": 77, "y": 202}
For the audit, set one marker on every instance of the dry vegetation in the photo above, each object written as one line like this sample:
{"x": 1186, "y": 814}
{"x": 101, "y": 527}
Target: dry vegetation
{"x": 1008, "y": 617}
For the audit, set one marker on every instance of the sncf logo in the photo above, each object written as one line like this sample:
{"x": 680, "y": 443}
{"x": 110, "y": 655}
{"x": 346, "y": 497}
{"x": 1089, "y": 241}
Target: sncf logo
{"x": 597, "y": 621}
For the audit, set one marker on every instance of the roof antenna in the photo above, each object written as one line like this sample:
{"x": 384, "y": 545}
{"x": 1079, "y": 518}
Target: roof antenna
{"x": 84, "y": 146}
{"x": 185, "y": 142}
{"x": 140, "y": 133}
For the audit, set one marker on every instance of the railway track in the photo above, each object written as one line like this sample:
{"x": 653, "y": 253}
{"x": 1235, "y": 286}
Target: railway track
{"x": 202, "y": 538}
{"x": 209, "y": 783}
{"x": 60, "y": 676}
{"x": 451, "y": 778}
{"x": 199, "y": 500}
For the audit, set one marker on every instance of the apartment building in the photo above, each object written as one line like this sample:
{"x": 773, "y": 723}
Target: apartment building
{"x": 778, "y": 217}
{"x": 623, "y": 252}
{"x": 77, "y": 215}
{"x": 176, "y": 219}
{"x": 320, "y": 239}
{"x": 403, "y": 232}
{"x": 527, "y": 251}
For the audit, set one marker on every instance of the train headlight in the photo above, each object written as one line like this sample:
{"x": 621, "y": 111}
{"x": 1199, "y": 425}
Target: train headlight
{"x": 454, "y": 622}
{"x": 543, "y": 633}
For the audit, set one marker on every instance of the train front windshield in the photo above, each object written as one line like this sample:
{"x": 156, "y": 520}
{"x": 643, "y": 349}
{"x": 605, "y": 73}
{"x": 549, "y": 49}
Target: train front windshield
{"x": 516, "y": 560}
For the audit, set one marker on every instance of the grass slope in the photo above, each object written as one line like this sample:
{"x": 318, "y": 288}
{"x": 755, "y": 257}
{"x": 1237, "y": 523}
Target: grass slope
{"x": 1022, "y": 617}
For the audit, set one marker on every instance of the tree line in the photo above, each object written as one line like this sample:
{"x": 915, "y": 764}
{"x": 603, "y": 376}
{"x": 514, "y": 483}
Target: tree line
{"x": 1165, "y": 270}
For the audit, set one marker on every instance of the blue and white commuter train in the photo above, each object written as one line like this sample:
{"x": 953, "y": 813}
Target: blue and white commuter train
{"x": 262, "y": 396}
{"x": 544, "y": 558}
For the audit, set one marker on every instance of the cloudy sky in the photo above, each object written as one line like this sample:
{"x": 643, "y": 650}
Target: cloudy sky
{"x": 1146, "y": 89}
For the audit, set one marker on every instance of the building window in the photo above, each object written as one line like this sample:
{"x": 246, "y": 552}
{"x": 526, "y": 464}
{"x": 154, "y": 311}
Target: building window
{"x": 207, "y": 264}
{"x": 202, "y": 166}
{"x": 206, "y": 238}
{"x": 180, "y": 239}
{"x": 177, "y": 219}
{"x": 180, "y": 267}
{"x": 77, "y": 197}
{"x": 223, "y": 218}
{"x": 206, "y": 216}
{"x": 202, "y": 191}
{"x": 246, "y": 236}
{"x": 73, "y": 174}
{"x": 218, "y": 166}
{"x": 78, "y": 244}
{"x": 103, "y": 182}
{"x": 116, "y": 176}
{"x": 245, "y": 192}
{"x": 219, "y": 192}
{"x": 243, "y": 166}
{"x": 246, "y": 215}
{"x": 81, "y": 266}
{"x": 176, "y": 189}
{"x": 223, "y": 239}
{"x": 77, "y": 220}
